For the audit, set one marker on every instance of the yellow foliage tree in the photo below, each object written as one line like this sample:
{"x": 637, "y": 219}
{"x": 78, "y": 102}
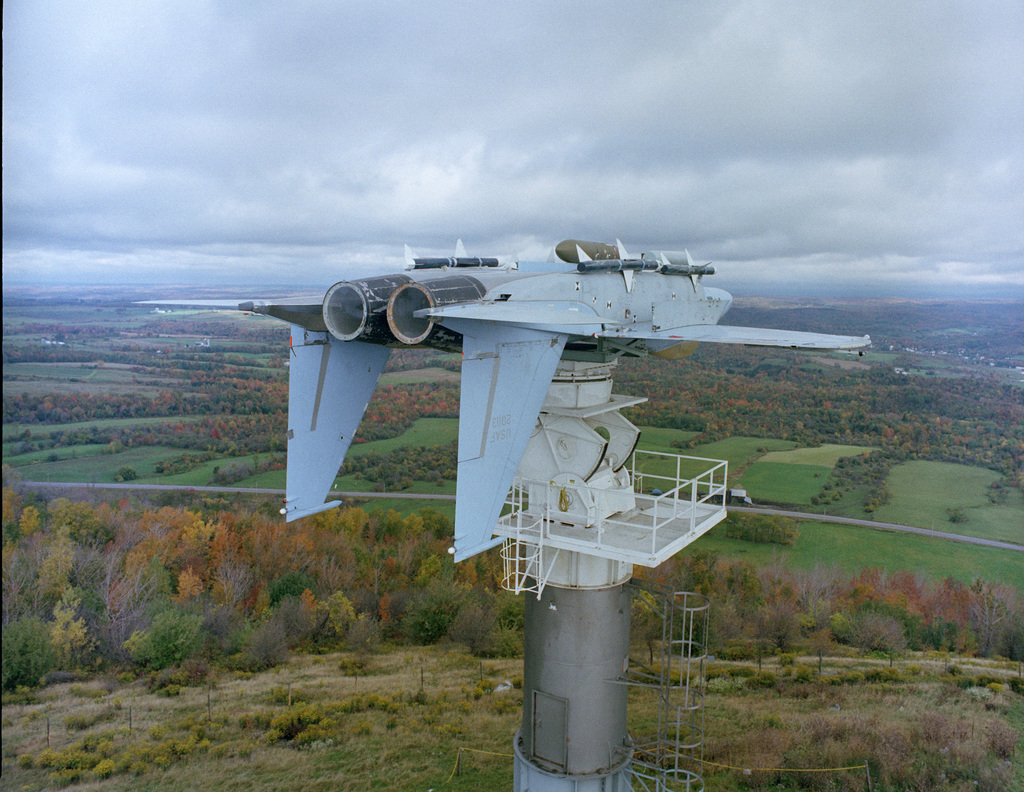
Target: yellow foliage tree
{"x": 336, "y": 614}
{"x": 55, "y": 571}
{"x": 189, "y": 584}
{"x": 30, "y": 521}
{"x": 11, "y": 502}
{"x": 68, "y": 633}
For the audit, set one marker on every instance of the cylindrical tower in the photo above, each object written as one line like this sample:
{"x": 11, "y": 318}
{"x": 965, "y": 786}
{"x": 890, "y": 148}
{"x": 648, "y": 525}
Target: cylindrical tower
{"x": 574, "y": 734}
{"x": 576, "y": 527}
{"x": 574, "y": 705}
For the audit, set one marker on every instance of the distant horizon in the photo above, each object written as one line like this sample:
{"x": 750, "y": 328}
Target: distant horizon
{"x": 254, "y": 289}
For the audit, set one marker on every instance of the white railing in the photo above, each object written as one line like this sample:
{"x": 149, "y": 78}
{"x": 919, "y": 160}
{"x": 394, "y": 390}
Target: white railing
{"x": 682, "y": 509}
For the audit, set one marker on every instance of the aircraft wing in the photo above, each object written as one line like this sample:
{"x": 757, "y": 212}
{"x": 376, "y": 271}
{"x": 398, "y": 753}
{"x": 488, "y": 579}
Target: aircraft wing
{"x": 506, "y": 371}
{"x": 329, "y": 386}
{"x": 749, "y": 336}
{"x": 558, "y": 316}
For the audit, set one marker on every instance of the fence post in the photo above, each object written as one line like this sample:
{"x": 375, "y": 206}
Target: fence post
{"x": 867, "y": 771}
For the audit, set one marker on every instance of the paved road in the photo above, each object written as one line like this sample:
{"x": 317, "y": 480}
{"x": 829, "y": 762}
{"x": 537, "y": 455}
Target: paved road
{"x": 881, "y": 526}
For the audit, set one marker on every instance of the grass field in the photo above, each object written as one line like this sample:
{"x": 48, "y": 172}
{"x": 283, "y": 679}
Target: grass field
{"x": 44, "y": 457}
{"x": 101, "y": 468}
{"x": 852, "y": 548}
{"x": 14, "y": 430}
{"x": 825, "y": 455}
{"x": 400, "y": 727}
{"x": 784, "y": 482}
{"x": 419, "y": 375}
{"x": 423, "y": 432}
{"x": 923, "y": 491}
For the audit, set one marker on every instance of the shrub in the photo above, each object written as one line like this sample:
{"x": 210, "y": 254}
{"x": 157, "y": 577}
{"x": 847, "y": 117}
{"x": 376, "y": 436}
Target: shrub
{"x": 1002, "y": 739}
{"x": 473, "y": 627}
{"x": 364, "y": 634}
{"x": 883, "y": 675}
{"x": 508, "y": 642}
{"x": 763, "y": 679}
{"x": 803, "y": 673}
{"x": 266, "y": 647}
{"x": 290, "y": 585}
{"x": 27, "y": 653}
{"x": 292, "y": 722}
{"x": 433, "y": 613}
{"x": 173, "y": 637}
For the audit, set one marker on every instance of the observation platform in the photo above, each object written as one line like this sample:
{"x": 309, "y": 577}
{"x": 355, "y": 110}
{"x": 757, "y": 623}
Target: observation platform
{"x": 672, "y": 501}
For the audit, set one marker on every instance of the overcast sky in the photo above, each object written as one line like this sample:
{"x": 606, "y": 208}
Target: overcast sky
{"x": 871, "y": 148}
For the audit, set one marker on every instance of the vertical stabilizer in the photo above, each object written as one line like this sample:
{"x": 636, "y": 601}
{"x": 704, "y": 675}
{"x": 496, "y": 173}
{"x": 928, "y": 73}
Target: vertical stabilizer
{"x": 329, "y": 385}
{"x": 506, "y": 372}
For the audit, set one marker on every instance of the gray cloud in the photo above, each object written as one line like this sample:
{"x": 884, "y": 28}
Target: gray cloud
{"x": 872, "y": 147}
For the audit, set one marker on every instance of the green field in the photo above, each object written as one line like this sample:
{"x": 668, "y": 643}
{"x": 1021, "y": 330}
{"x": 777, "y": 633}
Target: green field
{"x": 423, "y": 432}
{"x": 102, "y": 468}
{"x": 784, "y": 482}
{"x": 13, "y": 431}
{"x": 35, "y": 378}
{"x": 826, "y": 455}
{"x": 852, "y": 548}
{"x": 923, "y": 491}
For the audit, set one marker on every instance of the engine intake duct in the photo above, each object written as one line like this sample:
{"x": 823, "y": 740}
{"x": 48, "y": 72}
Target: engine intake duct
{"x": 456, "y": 261}
{"x": 413, "y": 296}
{"x": 358, "y": 309}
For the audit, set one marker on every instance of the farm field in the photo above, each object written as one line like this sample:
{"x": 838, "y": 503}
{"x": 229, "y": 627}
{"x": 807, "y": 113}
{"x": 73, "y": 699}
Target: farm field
{"x": 783, "y": 482}
{"x": 851, "y": 548}
{"x": 13, "y": 431}
{"x": 100, "y": 467}
{"x": 827, "y": 454}
{"x": 923, "y": 491}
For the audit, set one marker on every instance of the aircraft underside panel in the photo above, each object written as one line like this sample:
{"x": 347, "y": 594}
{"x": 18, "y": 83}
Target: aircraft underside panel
{"x": 506, "y": 372}
{"x": 329, "y": 385}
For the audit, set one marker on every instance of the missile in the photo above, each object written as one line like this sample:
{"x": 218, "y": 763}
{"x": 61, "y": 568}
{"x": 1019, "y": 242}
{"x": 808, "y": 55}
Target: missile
{"x": 453, "y": 261}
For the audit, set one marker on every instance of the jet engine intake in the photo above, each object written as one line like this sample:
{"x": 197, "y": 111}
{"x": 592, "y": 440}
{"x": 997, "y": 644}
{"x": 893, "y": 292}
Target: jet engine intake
{"x": 415, "y": 296}
{"x": 357, "y": 309}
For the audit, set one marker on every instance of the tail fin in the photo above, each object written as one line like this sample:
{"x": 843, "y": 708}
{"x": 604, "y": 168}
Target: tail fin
{"x": 329, "y": 385}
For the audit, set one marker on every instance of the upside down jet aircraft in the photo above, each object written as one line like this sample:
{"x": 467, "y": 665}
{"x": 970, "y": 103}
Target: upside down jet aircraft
{"x": 513, "y": 323}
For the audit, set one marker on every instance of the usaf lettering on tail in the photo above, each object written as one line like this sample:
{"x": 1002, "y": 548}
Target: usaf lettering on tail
{"x": 513, "y": 323}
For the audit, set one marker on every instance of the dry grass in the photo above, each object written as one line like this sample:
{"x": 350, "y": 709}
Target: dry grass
{"x": 382, "y": 729}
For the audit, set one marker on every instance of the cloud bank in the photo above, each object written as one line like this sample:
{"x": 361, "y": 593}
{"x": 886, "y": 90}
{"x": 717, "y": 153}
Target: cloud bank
{"x": 808, "y": 147}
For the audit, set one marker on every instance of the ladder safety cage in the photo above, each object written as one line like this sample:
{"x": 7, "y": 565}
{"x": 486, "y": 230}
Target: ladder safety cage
{"x": 673, "y": 758}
